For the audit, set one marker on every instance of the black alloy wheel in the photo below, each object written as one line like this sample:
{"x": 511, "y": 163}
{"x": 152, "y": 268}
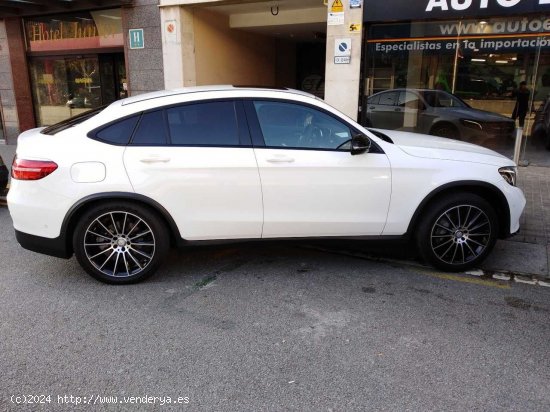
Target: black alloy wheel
{"x": 457, "y": 232}
{"x": 120, "y": 243}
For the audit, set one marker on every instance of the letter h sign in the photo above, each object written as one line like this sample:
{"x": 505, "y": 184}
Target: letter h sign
{"x": 136, "y": 39}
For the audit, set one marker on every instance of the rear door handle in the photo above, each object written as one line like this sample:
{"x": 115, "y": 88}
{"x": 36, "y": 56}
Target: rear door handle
{"x": 280, "y": 159}
{"x": 155, "y": 159}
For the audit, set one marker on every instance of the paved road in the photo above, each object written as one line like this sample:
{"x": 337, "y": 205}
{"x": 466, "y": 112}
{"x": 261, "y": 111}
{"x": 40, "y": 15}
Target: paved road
{"x": 271, "y": 328}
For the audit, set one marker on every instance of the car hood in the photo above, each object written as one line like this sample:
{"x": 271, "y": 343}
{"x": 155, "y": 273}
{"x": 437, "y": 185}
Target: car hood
{"x": 474, "y": 114}
{"x": 432, "y": 147}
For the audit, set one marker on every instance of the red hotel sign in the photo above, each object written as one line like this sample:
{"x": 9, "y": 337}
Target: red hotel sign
{"x": 100, "y": 29}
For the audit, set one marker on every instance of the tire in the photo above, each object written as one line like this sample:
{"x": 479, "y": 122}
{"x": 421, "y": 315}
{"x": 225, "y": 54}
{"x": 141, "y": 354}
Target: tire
{"x": 457, "y": 232}
{"x": 547, "y": 141}
{"x": 120, "y": 242}
{"x": 445, "y": 130}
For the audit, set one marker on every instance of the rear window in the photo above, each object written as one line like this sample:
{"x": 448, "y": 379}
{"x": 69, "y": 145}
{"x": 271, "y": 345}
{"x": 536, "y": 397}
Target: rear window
{"x": 71, "y": 121}
{"x": 118, "y": 133}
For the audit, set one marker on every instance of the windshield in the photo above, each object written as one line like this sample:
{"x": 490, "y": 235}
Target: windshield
{"x": 436, "y": 98}
{"x": 71, "y": 121}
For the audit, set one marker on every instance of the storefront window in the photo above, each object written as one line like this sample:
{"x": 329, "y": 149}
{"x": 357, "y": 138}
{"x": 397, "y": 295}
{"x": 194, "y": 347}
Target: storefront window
{"x": 66, "y": 86}
{"x": 66, "y": 82}
{"x": 483, "y": 62}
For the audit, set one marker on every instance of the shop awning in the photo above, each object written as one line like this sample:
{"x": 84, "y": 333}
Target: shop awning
{"x": 23, "y": 8}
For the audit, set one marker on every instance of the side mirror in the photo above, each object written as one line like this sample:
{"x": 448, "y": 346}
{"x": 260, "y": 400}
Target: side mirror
{"x": 360, "y": 144}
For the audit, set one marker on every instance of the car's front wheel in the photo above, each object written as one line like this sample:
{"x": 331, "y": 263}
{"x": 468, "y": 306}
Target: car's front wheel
{"x": 457, "y": 232}
{"x": 120, "y": 242}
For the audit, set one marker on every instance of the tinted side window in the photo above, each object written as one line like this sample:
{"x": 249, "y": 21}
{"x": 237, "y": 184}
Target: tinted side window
{"x": 374, "y": 99}
{"x": 208, "y": 124}
{"x": 151, "y": 130}
{"x": 296, "y": 126}
{"x": 409, "y": 100}
{"x": 388, "y": 99}
{"x": 119, "y": 132}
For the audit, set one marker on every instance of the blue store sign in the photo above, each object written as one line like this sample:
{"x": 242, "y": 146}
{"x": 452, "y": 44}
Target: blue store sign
{"x": 388, "y": 10}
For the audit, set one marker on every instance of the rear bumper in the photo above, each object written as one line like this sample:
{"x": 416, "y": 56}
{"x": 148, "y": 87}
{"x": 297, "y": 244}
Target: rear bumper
{"x": 53, "y": 247}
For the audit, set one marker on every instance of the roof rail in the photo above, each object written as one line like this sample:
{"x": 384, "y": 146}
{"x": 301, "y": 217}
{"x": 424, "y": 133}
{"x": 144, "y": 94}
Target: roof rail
{"x": 199, "y": 89}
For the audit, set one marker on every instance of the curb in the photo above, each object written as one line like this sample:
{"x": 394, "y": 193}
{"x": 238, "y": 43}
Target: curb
{"x": 506, "y": 276}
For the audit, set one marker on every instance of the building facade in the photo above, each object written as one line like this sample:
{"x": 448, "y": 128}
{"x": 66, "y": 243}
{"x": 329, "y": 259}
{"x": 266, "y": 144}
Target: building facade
{"x": 344, "y": 51}
{"x": 58, "y": 61}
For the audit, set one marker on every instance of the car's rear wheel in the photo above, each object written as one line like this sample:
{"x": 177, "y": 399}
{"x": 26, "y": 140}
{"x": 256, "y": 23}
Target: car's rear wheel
{"x": 445, "y": 130}
{"x": 457, "y": 232}
{"x": 120, "y": 243}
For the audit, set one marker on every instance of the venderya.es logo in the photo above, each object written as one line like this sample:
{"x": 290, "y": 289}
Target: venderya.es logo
{"x": 459, "y": 5}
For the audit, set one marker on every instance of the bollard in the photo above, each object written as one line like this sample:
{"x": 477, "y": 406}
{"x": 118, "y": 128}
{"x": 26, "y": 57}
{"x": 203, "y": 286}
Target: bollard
{"x": 517, "y": 147}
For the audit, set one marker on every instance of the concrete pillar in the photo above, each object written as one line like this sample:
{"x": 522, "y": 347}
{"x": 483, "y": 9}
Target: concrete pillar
{"x": 178, "y": 46}
{"x": 144, "y": 69}
{"x": 342, "y": 80}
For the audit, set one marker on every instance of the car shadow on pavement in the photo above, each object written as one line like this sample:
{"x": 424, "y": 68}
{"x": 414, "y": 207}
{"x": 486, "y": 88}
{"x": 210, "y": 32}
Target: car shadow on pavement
{"x": 212, "y": 260}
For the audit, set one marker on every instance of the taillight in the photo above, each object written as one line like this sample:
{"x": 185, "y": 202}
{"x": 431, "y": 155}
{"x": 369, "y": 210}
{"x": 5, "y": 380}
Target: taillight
{"x": 22, "y": 169}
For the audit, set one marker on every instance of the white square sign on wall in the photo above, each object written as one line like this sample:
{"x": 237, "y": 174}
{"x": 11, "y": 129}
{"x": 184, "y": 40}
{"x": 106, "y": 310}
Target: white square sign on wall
{"x": 342, "y": 51}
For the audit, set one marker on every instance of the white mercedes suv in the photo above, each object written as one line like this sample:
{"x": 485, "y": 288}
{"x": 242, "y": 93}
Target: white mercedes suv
{"x": 119, "y": 185}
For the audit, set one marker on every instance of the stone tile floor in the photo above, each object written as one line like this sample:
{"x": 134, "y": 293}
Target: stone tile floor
{"x": 535, "y": 221}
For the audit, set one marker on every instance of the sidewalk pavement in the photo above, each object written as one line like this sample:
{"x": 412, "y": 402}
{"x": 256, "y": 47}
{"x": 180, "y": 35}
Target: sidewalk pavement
{"x": 527, "y": 253}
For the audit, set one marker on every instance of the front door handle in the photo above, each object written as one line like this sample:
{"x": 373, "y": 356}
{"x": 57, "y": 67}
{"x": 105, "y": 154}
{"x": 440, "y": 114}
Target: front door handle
{"x": 280, "y": 159}
{"x": 155, "y": 159}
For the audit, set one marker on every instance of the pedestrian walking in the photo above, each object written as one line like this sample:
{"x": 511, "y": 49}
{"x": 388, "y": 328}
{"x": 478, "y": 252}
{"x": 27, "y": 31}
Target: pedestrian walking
{"x": 522, "y": 103}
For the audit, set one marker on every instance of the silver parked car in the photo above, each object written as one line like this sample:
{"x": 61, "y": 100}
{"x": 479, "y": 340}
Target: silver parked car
{"x": 434, "y": 112}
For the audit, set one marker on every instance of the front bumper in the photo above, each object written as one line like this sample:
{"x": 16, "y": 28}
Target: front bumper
{"x": 486, "y": 134}
{"x": 516, "y": 202}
